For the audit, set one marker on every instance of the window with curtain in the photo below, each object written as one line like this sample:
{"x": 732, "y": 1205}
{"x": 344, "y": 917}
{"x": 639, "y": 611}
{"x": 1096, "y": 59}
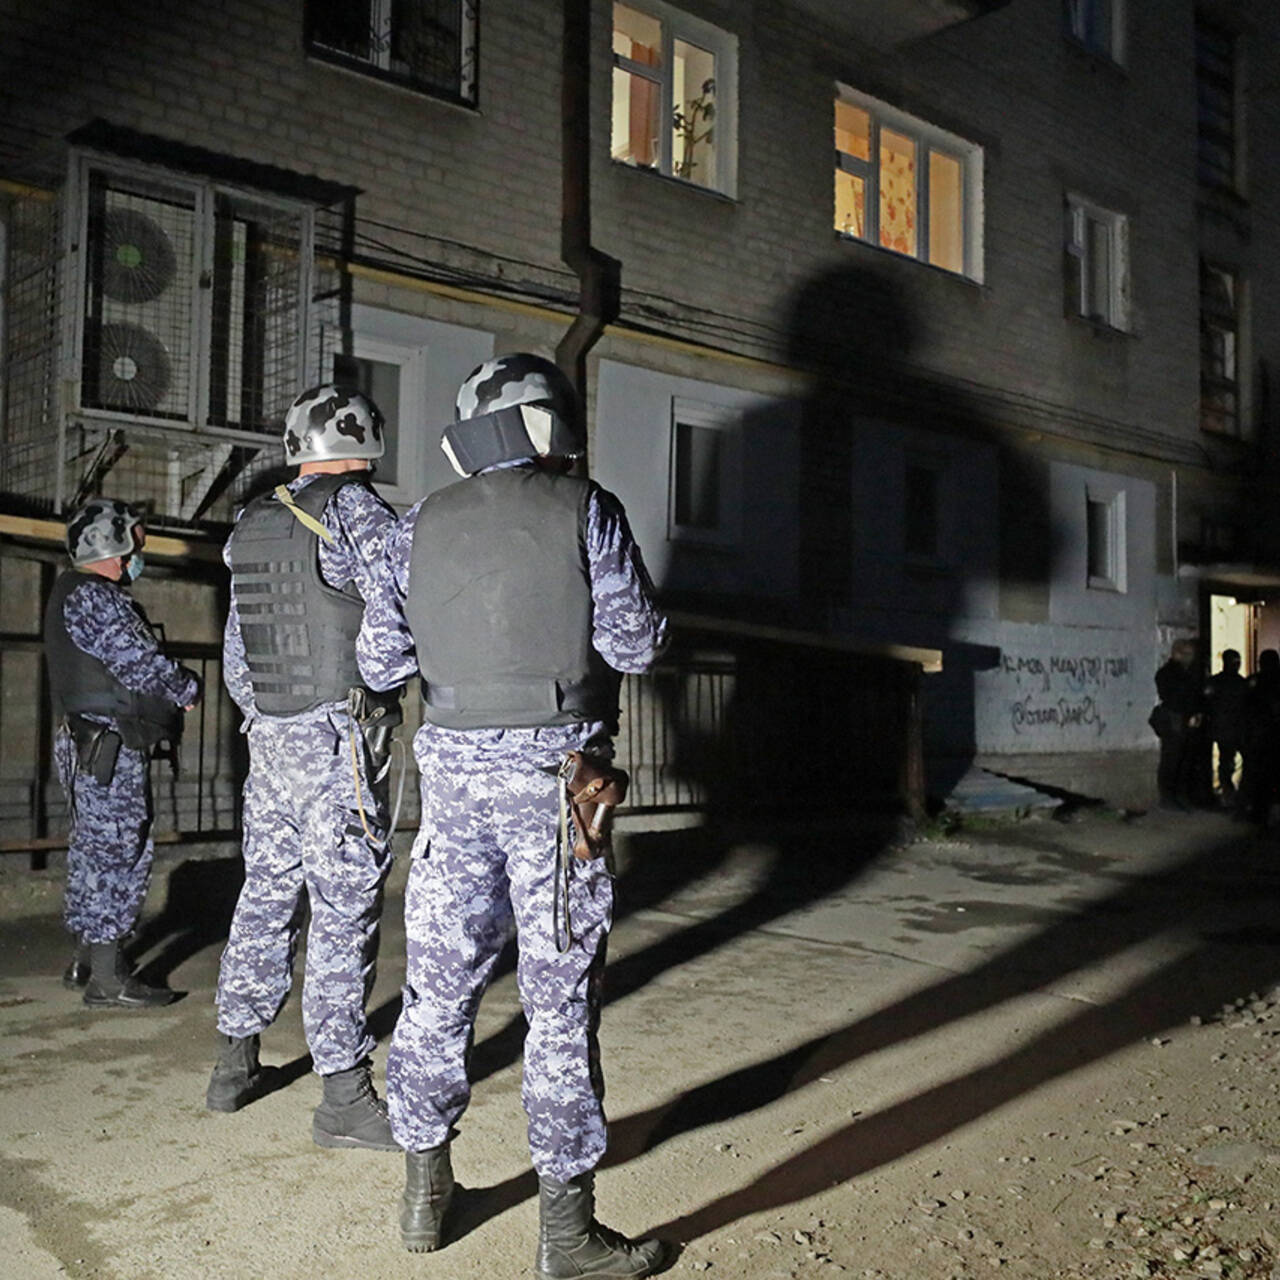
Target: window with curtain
{"x": 906, "y": 186}
{"x": 674, "y": 95}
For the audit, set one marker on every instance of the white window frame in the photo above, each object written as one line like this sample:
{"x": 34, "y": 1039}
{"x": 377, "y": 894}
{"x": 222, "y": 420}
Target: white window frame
{"x": 412, "y": 364}
{"x": 204, "y": 193}
{"x": 727, "y": 422}
{"x": 1077, "y": 15}
{"x": 1079, "y": 212}
{"x": 379, "y": 64}
{"x": 723, "y": 45}
{"x": 1112, "y": 499}
{"x": 927, "y": 138}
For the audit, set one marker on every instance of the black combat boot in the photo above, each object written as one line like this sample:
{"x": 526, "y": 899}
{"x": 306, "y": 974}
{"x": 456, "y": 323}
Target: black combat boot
{"x": 428, "y": 1192}
{"x": 237, "y": 1076}
{"x": 76, "y": 977}
{"x": 111, "y": 986}
{"x": 352, "y": 1114}
{"x": 571, "y": 1243}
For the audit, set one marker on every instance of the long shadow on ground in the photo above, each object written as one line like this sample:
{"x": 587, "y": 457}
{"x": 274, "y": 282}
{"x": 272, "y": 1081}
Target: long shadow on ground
{"x": 1219, "y": 965}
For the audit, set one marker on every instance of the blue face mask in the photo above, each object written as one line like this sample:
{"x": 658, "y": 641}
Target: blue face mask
{"x": 134, "y": 566}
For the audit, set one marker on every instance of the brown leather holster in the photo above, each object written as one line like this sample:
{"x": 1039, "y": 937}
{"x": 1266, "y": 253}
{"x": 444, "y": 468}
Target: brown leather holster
{"x": 594, "y": 789}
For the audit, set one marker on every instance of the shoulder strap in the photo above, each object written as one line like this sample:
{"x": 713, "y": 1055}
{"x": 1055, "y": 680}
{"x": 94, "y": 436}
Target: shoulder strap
{"x": 310, "y": 501}
{"x": 303, "y": 516}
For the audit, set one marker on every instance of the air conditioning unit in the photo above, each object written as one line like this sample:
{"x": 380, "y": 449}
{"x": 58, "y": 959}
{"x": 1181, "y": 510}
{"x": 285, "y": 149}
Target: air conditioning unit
{"x": 137, "y": 328}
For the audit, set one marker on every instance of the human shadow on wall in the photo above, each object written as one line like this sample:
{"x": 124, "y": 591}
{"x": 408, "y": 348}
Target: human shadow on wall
{"x": 787, "y": 745}
{"x": 949, "y": 516}
{"x": 770, "y": 738}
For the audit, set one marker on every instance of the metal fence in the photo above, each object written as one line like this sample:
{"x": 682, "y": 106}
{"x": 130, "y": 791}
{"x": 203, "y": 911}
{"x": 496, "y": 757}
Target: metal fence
{"x": 726, "y": 722}
{"x": 738, "y": 719}
{"x": 196, "y": 790}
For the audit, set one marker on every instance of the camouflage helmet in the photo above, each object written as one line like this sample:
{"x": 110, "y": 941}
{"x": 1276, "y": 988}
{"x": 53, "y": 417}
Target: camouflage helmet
{"x": 330, "y": 422}
{"x": 523, "y": 378}
{"x": 101, "y": 530}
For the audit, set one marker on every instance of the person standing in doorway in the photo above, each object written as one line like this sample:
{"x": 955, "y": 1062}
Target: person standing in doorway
{"x": 1226, "y": 695}
{"x": 303, "y": 560}
{"x": 115, "y": 696}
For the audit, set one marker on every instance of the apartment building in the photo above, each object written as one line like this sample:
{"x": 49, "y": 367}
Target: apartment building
{"x": 907, "y": 329}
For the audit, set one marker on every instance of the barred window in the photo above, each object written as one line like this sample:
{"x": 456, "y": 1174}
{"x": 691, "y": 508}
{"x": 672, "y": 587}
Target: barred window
{"x": 427, "y": 45}
{"x": 1216, "y": 105}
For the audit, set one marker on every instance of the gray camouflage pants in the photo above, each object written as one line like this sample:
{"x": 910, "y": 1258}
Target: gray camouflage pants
{"x": 302, "y": 830}
{"x": 484, "y": 860}
{"x": 110, "y": 851}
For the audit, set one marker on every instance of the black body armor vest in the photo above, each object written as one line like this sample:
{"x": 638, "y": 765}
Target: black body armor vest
{"x": 299, "y": 633}
{"x": 82, "y": 685}
{"x": 500, "y": 607}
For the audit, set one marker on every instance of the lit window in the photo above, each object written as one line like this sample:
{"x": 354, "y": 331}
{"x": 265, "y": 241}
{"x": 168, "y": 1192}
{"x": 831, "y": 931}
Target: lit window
{"x": 1104, "y": 521}
{"x": 1097, "y": 254}
{"x": 1098, "y": 25}
{"x": 674, "y": 94}
{"x": 906, "y": 186}
{"x": 704, "y": 500}
{"x": 1219, "y": 338}
{"x": 1216, "y": 103}
{"x": 429, "y": 45}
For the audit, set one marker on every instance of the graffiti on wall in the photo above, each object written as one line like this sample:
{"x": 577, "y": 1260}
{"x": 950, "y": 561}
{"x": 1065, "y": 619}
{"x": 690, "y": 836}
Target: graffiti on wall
{"x": 1061, "y": 692}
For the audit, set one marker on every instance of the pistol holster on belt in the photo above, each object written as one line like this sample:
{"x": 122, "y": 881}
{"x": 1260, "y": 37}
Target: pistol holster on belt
{"x": 376, "y": 714}
{"x": 97, "y": 747}
{"x": 594, "y": 788}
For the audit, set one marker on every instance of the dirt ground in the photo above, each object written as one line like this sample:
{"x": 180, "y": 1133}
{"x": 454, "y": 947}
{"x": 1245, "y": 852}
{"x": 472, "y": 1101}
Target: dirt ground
{"x": 1037, "y": 1048}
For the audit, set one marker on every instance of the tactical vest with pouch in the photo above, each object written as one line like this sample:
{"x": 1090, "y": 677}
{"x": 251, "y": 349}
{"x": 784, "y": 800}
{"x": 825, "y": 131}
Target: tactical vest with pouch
{"x": 500, "y": 607}
{"x": 83, "y": 685}
{"x": 299, "y": 632}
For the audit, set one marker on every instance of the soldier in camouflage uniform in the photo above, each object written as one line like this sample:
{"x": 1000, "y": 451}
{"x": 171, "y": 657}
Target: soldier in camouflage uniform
{"x": 302, "y": 562}
{"x": 519, "y": 594}
{"x": 115, "y": 695}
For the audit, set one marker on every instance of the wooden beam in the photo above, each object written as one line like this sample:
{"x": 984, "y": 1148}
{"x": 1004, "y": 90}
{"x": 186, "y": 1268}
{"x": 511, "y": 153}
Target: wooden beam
{"x": 929, "y": 660}
{"x": 158, "y": 544}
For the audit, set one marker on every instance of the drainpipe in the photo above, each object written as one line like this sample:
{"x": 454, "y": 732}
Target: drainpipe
{"x": 599, "y": 275}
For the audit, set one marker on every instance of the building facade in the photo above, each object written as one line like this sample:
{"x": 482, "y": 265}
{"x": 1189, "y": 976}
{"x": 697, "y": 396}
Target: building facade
{"x": 933, "y": 327}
